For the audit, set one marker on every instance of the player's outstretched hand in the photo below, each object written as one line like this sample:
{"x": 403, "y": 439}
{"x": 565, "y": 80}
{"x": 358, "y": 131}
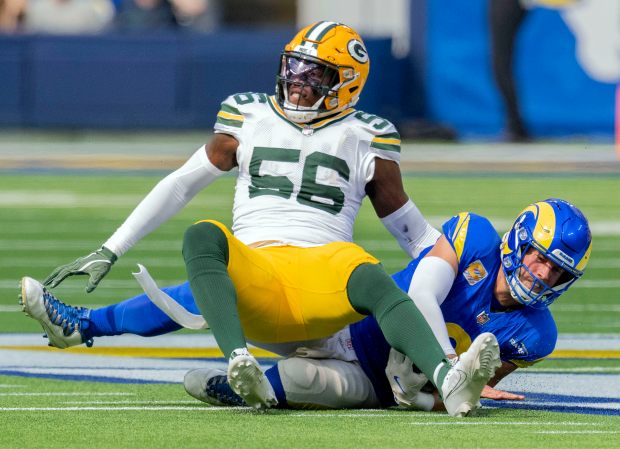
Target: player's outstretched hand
{"x": 500, "y": 395}
{"x": 96, "y": 265}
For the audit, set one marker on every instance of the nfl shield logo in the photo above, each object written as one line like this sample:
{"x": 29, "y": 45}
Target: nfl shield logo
{"x": 482, "y": 318}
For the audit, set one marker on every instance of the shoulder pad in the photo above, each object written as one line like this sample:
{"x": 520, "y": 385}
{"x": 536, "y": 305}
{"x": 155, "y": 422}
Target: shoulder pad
{"x": 471, "y": 235}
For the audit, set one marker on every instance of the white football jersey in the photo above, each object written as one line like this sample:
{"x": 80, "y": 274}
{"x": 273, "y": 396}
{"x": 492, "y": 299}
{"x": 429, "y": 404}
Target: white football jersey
{"x": 299, "y": 184}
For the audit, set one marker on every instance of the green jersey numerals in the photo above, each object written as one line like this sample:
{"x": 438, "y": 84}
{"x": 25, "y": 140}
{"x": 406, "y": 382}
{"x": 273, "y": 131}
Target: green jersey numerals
{"x": 377, "y": 122}
{"x": 310, "y": 191}
{"x": 250, "y": 97}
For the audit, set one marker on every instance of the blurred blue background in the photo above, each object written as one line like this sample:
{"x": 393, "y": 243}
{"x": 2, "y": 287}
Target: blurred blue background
{"x": 437, "y": 83}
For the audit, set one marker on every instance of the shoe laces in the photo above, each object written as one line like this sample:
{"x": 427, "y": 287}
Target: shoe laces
{"x": 66, "y": 316}
{"x": 218, "y": 388}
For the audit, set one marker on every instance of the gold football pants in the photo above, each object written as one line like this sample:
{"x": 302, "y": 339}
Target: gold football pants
{"x": 289, "y": 293}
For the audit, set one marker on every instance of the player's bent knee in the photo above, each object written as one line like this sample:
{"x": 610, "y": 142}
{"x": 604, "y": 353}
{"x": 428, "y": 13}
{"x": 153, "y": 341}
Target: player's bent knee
{"x": 325, "y": 383}
{"x": 205, "y": 239}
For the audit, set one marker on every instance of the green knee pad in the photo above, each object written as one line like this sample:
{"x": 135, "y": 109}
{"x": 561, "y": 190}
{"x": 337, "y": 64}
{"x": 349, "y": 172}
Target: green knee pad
{"x": 205, "y": 246}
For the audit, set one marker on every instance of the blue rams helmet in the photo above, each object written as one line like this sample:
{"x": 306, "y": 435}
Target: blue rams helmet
{"x": 559, "y": 231}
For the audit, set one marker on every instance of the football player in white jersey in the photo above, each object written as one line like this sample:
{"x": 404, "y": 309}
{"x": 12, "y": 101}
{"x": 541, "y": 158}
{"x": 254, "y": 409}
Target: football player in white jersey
{"x": 289, "y": 271}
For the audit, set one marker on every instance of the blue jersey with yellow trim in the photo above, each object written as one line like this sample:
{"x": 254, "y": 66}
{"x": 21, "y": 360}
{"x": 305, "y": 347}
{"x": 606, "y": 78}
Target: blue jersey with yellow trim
{"x": 525, "y": 335}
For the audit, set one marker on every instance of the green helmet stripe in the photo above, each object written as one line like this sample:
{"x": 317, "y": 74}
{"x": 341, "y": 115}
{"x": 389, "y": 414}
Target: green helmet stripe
{"x": 317, "y": 32}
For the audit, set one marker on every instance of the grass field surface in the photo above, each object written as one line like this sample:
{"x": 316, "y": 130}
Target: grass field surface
{"x": 52, "y": 398}
{"x": 52, "y": 219}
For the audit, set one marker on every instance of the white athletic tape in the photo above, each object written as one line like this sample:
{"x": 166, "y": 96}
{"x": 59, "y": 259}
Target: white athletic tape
{"x": 166, "y": 304}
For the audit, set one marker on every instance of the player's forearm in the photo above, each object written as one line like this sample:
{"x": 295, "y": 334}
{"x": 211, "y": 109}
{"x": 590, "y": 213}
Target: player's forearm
{"x": 167, "y": 198}
{"x": 429, "y": 287}
{"x": 411, "y": 229}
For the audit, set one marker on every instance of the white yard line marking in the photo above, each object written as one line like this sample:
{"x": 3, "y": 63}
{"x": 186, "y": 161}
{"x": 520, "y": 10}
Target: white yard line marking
{"x": 589, "y": 369}
{"x": 190, "y": 401}
{"x": 57, "y": 245}
{"x": 17, "y": 308}
{"x": 9, "y": 309}
{"x": 571, "y": 308}
{"x": 584, "y": 432}
{"x": 12, "y": 284}
{"x": 501, "y": 423}
{"x": 29, "y": 262}
{"x": 198, "y": 407}
{"x": 65, "y": 198}
{"x": 598, "y": 283}
{"x": 327, "y": 414}
{"x": 65, "y": 393}
{"x": 447, "y": 421}
{"x": 560, "y": 405}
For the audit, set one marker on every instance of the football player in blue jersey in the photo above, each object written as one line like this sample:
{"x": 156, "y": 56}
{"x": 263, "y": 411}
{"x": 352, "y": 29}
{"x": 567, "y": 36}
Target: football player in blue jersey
{"x": 470, "y": 282}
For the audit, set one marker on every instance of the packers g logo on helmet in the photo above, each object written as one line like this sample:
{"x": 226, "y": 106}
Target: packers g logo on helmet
{"x": 558, "y": 230}
{"x": 332, "y": 59}
{"x": 357, "y": 51}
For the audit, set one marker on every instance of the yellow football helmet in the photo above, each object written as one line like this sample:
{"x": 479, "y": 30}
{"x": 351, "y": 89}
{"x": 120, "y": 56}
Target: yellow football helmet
{"x": 329, "y": 57}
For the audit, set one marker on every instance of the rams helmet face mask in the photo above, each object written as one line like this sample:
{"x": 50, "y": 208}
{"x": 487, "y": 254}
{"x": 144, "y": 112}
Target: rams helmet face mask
{"x": 560, "y": 232}
{"x": 330, "y": 58}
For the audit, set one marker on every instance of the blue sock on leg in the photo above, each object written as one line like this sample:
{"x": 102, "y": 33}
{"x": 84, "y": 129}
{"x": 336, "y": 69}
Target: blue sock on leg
{"x": 137, "y": 315}
{"x": 273, "y": 376}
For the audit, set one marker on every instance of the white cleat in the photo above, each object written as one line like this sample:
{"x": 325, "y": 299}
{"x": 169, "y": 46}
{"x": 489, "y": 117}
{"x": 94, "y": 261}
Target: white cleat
{"x": 60, "y": 321}
{"x": 211, "y": 386}
{"x": 247, "y": 380}
{"x": 463, "y": 384}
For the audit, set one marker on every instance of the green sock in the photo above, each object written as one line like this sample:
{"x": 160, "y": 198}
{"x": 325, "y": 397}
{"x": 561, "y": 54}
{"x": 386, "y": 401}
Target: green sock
{"x": 373, "y": 292}
{"x": 205, "y": 250}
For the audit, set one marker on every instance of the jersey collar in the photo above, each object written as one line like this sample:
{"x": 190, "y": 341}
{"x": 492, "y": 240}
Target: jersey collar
{"x": 315, "y": 126}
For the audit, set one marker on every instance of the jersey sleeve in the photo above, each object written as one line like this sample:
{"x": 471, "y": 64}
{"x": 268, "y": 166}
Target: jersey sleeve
{"x": 234, "y": 110}
{"x": 229, "y": 118}
{"x": 534, "y": 341}
{"x": 471, "y": 236}
{"x": 382, "y": 136}
{"x": 380, "y": 139}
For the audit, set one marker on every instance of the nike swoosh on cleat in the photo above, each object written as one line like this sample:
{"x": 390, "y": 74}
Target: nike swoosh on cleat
{"x": 397, "y": 380}
{"x": 461, "y": 381}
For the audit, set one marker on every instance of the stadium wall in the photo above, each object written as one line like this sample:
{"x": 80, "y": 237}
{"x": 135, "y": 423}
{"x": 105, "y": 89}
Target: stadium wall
{"x": 177, "y": 81}
{"x": 161, "y": 81}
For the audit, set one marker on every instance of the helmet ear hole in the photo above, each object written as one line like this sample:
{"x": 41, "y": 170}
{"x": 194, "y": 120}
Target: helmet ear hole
{"x": 564, "y": 278}
{"x": 353, "y": 89}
